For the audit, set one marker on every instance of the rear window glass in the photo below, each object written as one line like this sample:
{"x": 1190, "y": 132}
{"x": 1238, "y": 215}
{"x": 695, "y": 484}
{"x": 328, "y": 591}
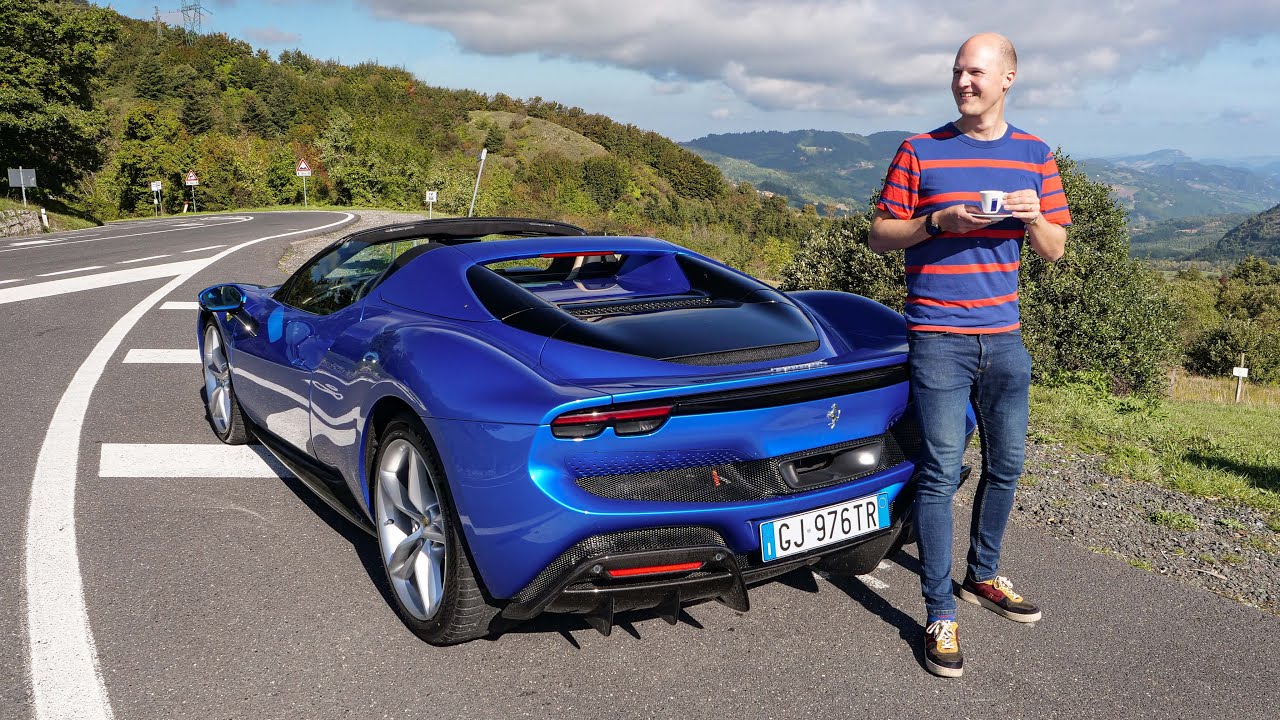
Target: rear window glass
{"x": 569, "y": 278}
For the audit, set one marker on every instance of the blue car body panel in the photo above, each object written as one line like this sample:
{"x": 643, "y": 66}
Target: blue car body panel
{"x": 487, "y": 388}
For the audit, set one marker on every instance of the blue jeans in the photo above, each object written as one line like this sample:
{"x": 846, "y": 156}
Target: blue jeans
{"x": 949, "y": 370}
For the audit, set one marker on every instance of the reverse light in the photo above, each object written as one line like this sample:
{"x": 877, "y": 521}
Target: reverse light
{"x": 590, "y": 423}
{"x": 654, "y": 569}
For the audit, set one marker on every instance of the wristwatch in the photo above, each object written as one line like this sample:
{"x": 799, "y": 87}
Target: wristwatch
{"x": 931, "y": 227}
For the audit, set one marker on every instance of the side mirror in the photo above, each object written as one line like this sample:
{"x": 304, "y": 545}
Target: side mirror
{"x": 222, "y": 298}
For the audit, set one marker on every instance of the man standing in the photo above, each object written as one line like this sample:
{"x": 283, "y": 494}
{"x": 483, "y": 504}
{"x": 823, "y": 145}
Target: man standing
{"x": 963, "y": 321}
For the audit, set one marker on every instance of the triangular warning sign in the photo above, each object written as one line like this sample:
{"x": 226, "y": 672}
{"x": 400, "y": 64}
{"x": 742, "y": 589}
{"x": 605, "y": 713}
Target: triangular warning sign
{"x": 191, "y": 175}
{"x": 303, "y": 166}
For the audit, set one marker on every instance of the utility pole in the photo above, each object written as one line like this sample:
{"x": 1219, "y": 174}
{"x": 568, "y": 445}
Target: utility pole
{"x": 159, "y": 35}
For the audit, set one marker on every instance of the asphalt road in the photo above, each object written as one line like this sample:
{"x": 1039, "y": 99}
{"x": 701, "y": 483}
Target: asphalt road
{"x": 243, "y": 597}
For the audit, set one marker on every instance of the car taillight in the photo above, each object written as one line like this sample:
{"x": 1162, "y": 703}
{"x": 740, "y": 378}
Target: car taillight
{"x": 590, "y": 423}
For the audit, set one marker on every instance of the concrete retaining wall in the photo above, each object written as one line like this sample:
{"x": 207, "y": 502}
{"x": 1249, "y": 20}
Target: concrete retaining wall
{"x": 19, "y": 222}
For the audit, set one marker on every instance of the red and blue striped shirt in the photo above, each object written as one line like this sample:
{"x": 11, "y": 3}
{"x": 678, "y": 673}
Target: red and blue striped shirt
{"x": 968, "y": 282}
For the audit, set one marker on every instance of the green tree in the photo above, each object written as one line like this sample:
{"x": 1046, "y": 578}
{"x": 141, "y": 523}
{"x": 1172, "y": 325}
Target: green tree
{"x": 1095, "y": 312}
{"x": 50, "y": 55}
{"x": 836, "y": 256}
{"x": 605, "y": 178}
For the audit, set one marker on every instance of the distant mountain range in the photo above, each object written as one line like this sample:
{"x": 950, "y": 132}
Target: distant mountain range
{"x": 844, "y": 169}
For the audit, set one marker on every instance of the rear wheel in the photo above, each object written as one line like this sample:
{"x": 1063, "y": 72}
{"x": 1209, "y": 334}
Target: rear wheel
{"x": 433, "y": 582}
{"x": 225, "y": 415}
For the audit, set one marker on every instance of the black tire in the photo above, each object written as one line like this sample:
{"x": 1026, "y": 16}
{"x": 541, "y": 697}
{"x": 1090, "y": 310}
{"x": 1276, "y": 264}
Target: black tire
{"x": 223, "y": 412}
{"x": 465, "y": 611}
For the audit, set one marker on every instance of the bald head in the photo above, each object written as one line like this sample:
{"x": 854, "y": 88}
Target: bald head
{"x": 996, "y": 44}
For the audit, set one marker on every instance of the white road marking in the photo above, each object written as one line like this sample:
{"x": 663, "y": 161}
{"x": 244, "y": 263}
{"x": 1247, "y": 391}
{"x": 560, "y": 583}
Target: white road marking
{"x": 66, "y": 681}
{"x": 68, "y": 272}
{"x": 6, "y": 282}
{"x": 180, "y": 305}
{"x": 230, "y": 221}
{"x": 211, "y": 247}
{"x": 165, "y": 355}
{"x": 149, "y": 257}
{"x": 873, "y": 582}
{"x": 30, "y": 242}
{"x": 188, "y": 461}
{"x": 98, "y": 280}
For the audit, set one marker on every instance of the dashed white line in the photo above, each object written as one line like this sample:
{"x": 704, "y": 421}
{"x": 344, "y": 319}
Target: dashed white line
{"x": 30, "y": 242}
{"x": 66, "y": 681}
{"x": 68, "y": 272}
{"x": 79, "y": 239}
{"x": 211, "y": 247}
{"x": 6, "y": 282}
{"x": 183, "y": 356}
{"x": 180, "y": 305}
{"x": 177, "y": 460}
{"x": 138, "y": 260}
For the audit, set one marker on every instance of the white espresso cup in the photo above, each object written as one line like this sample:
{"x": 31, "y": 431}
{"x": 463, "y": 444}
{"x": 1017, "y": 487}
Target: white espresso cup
{"x": 992, "y": 201}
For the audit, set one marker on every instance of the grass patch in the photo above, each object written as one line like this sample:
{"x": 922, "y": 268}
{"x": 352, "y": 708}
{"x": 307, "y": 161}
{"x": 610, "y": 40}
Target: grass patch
{"x": 1219, "y": 451}
{"x": 61, "y": 217}
{"x": 1173, "y": 520}
{"x": 1140, "y": 564}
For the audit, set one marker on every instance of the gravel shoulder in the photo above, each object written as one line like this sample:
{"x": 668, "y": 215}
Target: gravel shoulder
{"x": 1228, "y": 550}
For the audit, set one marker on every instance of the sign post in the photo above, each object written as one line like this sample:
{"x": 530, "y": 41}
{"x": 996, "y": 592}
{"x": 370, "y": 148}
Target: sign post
{"x": 155, "y": 195}
{"x": 1240, "y": 374}
{"x": 303, "y": 171}
{"x": 192, "y": 182}
{"x": 430, "y": 197}
{"x": 23, "y": 178}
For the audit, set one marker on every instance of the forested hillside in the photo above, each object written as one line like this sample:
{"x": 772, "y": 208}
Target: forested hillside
{"x": 1258, "y": 235}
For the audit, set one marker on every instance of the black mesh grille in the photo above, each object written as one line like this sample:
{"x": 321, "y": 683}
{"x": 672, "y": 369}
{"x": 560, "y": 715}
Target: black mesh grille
{"x": 638, "y": 307}
{"x": 622, "y": 542}
{"x": 717, "y": 476}
{"x": 735, "y": 357}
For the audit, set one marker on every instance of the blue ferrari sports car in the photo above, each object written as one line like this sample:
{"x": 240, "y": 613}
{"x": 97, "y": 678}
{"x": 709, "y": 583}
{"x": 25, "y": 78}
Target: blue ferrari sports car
{"x": 532, "y": 419}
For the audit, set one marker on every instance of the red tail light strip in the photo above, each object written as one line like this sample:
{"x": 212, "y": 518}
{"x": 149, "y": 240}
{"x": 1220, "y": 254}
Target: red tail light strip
{"x": 655, "y": 569}
{"x": 589, "y": 253}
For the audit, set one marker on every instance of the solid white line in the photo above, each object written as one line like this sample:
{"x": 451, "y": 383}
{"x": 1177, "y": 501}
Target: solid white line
{"x": 180, "y": 305}
{"x": 30, "y": 242}
{"x": 151, "y": 257}
{"x": 68, "y": 272}
{"x": 66, "y": 681}
{"x": 211, "y": 247}
{"x": 98, "y": 280}
{"x": 165, "y": 355}
{"x": 188, "y": 461}
{"x": 6, "y": 282}
{"x": 230, "y": 221}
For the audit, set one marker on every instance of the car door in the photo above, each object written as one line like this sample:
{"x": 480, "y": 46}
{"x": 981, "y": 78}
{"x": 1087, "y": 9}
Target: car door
{"x": 297, "y": 326}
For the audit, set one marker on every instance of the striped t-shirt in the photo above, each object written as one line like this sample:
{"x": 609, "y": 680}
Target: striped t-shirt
{"x": 968, "y": 282}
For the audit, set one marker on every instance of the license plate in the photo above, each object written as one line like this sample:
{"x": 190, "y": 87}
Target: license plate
{"x": 824, "y": 526}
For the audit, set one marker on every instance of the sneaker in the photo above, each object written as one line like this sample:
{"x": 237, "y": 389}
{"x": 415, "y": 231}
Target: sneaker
{"x": 942, "y": 654}
{"x": 997, "y": 595}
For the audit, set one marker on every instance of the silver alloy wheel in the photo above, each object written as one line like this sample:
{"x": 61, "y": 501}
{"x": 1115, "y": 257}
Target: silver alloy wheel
{"x": 217, "y": 380}
{"x": 411, "y": 529}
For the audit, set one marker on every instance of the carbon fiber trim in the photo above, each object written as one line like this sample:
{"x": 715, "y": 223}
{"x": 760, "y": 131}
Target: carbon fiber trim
{"x": 750, "y": 355}
{"x": 714, "y": 476}
{"x": 614, "y": 543}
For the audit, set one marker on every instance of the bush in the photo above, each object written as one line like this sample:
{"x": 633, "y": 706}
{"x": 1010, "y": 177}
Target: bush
{"x": 836, "y": 257}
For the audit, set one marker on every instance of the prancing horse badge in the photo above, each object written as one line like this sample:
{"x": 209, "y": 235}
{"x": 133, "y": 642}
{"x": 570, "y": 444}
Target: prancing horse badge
{"x": 834, "y": 415}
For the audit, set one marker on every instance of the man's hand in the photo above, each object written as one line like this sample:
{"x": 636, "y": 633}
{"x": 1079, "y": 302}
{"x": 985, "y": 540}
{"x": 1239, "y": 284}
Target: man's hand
{"x": 1025, "y": 205}
{"x": 957, "y": 219}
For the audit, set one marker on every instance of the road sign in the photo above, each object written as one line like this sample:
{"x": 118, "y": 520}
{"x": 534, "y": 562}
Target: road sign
{"x": 191, "y": 178}
{"x": 304, "y": 170}
{"x": 431, "y": 196}
{"x": 155, "y": 186}
{"x": 1242, "y": 372}
{"x": 22, "y": 177}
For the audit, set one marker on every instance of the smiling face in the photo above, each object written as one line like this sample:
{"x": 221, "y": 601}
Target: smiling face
{"x": 981, "y": 76}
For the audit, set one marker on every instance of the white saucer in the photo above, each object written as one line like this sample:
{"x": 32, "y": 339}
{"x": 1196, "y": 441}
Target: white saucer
{"x": 991, "y": 216}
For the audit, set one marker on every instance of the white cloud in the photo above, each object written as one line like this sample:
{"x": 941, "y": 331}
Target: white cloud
{"x": 720, "y": 113}
{"x": 670, "y": 88}
{"x": 271, "y": 36}
{"x": 872, "y": 57}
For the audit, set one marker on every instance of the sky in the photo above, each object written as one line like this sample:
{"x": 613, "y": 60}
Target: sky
{"x": 1096, "y": 78}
